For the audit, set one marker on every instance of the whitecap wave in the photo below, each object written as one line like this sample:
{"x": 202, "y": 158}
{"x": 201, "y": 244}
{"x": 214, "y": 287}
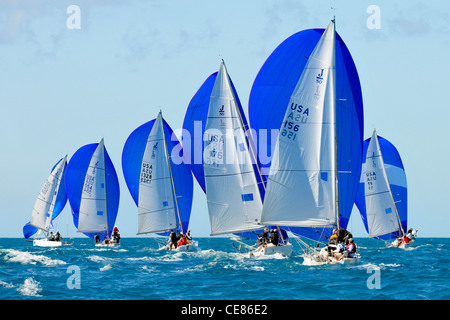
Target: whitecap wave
{"x": 6, "y": 284}
{"x": 28, "y": 258}
{"x": 381, "y": 266}
{"x": 107, "y": 267}
{"x": 98, "y": 258}
{"x": 30, "y": 288}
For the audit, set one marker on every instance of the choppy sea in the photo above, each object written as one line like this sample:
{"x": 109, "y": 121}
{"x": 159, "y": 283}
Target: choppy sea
{"x": 136, "y": 270}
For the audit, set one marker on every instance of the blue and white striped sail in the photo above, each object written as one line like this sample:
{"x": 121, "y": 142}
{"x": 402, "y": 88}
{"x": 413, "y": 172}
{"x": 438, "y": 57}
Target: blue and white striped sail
{"x": 382, "y": 193}
{"x": 272, "y": 92}
{"x": 50, "y": 202}
{"x": 159, "y": 180}
{"x": 301, "y": 186}
{"x": 93, "y": 190}
{"x": 232, "y": 193}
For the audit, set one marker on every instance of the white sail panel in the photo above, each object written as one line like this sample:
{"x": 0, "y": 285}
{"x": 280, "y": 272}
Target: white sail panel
{"x": 382, "y": 216}
{"x": 301, "y": 187}
{"x": 41, "y": 216}
{"x": 234, "y": 201}
{"x": 156, "y": 209}
{"x": 396, "y": 175}
{"x": 93, "y": 210}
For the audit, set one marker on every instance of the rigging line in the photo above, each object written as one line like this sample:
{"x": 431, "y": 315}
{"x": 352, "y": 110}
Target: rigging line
{"x": 106, "y": 195}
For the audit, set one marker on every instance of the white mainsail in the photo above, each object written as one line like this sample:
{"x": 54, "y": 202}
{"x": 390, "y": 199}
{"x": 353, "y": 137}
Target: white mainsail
{"x": 41, "y": 216}
{"x": 93, "y": 207}
{"x": 234, "y": 201}
{"x": 157, "y": 211}
{"x": 382, "y": 215}
{"x": 301, "y": 187}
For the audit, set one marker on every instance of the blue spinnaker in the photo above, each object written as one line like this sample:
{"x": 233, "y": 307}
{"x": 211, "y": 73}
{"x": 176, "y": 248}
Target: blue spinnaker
{"x": 75, "y": 177}
{"x": 61, "y": 199}
{"x": 397, "y": 181}
{"x": 132, "y": 154}
{"x": 270, "y": 96}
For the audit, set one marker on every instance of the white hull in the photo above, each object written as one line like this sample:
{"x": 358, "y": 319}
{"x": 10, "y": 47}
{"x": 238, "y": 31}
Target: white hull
{"x": 402, "y": 245}
{"x": 270, "y": 250}
{"x": 318, "y": 258}
{"x": 46, "y": 243}
{"x": 106, "y": 244}
{"x": 186, "y": 247}
{"x": 110, "y": 244}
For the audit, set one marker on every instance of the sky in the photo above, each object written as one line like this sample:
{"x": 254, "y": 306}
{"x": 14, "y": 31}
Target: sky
{"x": 70, "y": 78}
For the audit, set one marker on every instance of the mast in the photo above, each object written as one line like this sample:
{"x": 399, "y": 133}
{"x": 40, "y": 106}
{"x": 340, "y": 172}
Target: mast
{"x": 170, "y": 173}
{"x": 333, "y": 70}
{"x": 106, "y": 193}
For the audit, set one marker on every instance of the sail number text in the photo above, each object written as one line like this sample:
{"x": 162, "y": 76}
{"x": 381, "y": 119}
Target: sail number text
{"x": 370, "y": 178}
{"x": 146, "y": 172}
{"x": 297, "y": 114}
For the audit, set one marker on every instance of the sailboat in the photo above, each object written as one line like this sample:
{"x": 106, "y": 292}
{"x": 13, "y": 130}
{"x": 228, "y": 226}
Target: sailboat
{"x": 93, "y": 191}
{"x": 270, "y": 95}
{"x": 161, "y": 189}
{"x": 382, "y": 198}
{"x": 50, "y": 202}
{"x": 302, "y": 186}
{"x": 232, "y": 191}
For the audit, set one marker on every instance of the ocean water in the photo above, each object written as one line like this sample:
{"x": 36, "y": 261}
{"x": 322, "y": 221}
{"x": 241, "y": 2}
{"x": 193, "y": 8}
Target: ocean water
{"x": 136, "y": 270}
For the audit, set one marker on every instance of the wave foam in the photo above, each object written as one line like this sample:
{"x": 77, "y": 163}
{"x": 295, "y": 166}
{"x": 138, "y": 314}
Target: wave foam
{"x": 30, "y": 288}
{"x": 28, "y": 258}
